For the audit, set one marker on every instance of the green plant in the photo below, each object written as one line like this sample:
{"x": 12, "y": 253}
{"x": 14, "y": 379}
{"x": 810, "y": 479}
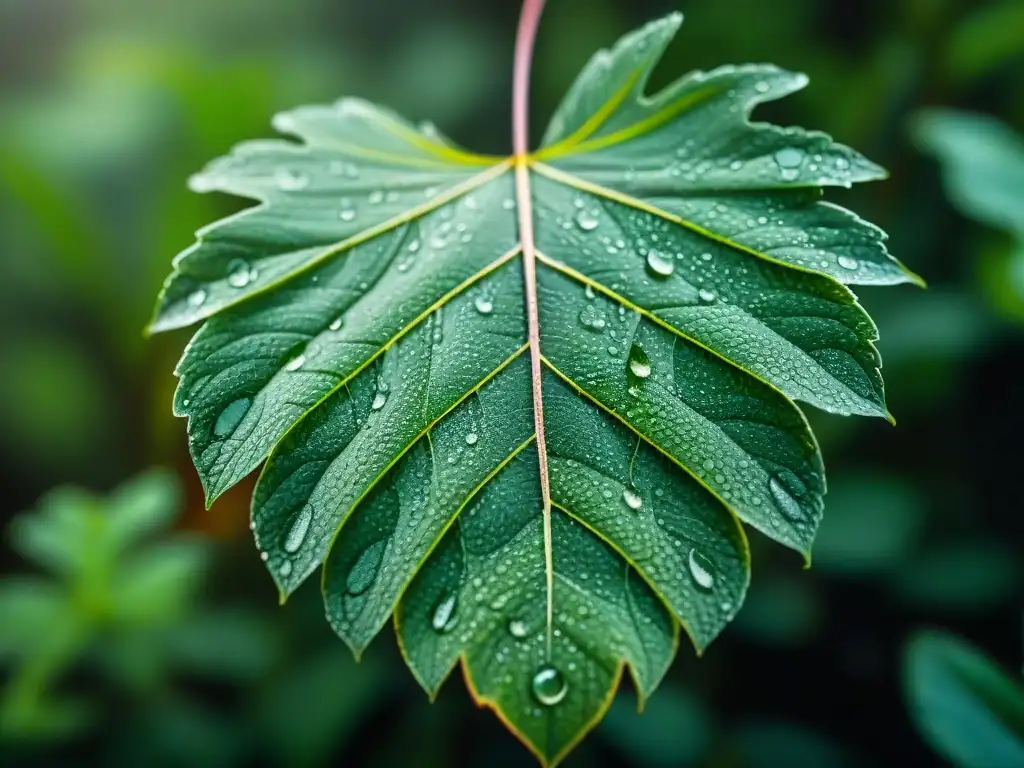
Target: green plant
{"x": 111, "y": 595}
{"x": 524, "y": 403}
{"x": 967, "y": 708}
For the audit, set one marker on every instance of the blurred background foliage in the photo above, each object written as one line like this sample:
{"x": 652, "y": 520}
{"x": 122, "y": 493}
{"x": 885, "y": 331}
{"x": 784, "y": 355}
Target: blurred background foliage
{"x": 151, "y": 628}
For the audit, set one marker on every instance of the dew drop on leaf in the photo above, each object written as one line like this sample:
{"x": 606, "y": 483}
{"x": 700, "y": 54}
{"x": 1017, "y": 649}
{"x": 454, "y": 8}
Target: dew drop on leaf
{"x": 379, "y": 400}
{"x": 700, "y": 570}
{"x": 300, "y": 528}
{"x": 289, "y": 181}
{"x": 789, "y": 157}
{"x": 231, "y": 416}
{"x": 197, "y": 298}
{"x": 336, "y": 323}
{"x": 790, "y": 507}
{"x": 295, "y": 363}
{"x": 633, "y": 499}
{"x": 472, "y": 438}
{"x": 592, "y": 319}
{"x": 639, "y": 362}
{"x": 549, "y": 686}
{"x": 706, "y": 296}
{"x": 364, "y": 570}
{"x": 517, "y": 628}
{"x": 285, "y": 570}
{"x": 483, "y": 305}
{"x": 586, "y": 221}
{"x": 847, "y": 262}
{"x": 659, "y": 265}
{"x": 444, "y": 614}
{"x": 239, "y": 273}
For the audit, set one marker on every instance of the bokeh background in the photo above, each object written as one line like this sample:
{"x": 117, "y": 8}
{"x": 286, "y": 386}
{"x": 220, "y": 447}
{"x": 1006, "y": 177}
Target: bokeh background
{"x": 138, "y": 628}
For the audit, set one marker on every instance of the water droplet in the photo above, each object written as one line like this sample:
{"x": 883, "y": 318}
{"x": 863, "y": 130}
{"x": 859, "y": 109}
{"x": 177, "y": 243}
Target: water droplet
{"x": 761, "y": 86}
{"x": 239, "y": 273}
{"x": 364, "y": 570}
{"x": 297, "y": 533}
{"x": 295, "y": 363}
{"x": 231, "y": 416}
{"x": 285, "y": 570}
{"x": 483, "y": 305}
{"x": 735, "y": 165}
{"x": 549, "y": 686}
{"x": 376, "y": 197}
{"x": 197, "y": 298}
{"x": 842, "y": 163}
{"x": 517, "y": 628}
{"x": 633, "y": 499}
{"x": 379, "y": 400}
{"x": 789, "y": 157}
{"x": 589, "y": 292}
{"x": 706, "y": 296}
{"x": 336, "y": 323}
{"x": 347, "y": 214}
{"x": 847, "y": 262}
{"x": 639, "y": 362}
{"x": 443, "y": 619}
{"x": 586, "y": 221}
{"x": 789, "y": 506}
{"x": 290, "y": 181}
{"x": 592, "y": 319}
{"x": 700, "y": 569}
{"x": 472, "y": 438}
{"x": 659, "y": 265}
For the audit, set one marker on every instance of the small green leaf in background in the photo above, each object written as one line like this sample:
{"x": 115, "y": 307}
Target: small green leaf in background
{"x": 982, "y": 163}
{"x": 873, "y": 522}
{"x": 968, "y": 709}
{"x": 963, "y": 576}
{"x": 109, "y": 586}
{"x": 674, "y": 729}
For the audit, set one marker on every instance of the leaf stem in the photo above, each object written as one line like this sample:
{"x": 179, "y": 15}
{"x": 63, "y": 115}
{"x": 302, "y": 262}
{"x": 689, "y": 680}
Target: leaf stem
{"x": 528, "y": 21}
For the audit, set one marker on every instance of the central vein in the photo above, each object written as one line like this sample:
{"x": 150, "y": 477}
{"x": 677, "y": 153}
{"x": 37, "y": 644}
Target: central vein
{"x": 533, "y": 333}
{"x": 528, "y": 22}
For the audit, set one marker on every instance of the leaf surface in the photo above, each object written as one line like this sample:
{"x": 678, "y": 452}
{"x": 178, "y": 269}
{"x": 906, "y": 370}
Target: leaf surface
{"x": 549, "y": 513}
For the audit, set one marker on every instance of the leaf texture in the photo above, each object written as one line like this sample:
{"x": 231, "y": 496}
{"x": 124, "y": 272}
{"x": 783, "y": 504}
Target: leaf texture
{"x": 365, "y": 340}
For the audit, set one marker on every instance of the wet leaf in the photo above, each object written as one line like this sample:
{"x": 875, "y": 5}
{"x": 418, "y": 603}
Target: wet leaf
{"x": 551, "y": 511}
{"x": 966, "y": 707}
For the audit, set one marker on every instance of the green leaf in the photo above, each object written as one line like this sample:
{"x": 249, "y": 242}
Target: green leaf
{"x": 982, "y": 163}
{"x": 965, "y": 706}
{"x": 547, "y": 512}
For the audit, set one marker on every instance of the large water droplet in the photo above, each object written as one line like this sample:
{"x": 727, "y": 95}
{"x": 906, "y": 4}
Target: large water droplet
{"x": 586, "y": 221}
{"x": 472, "y": 438}
{"x": 549, "y": 686}
{"x": 706, "y": 296}
{"x": 517, "y": 628}
{"x": 639, "y": 362}
{"x": 336, "y": 323}
{"x": 701, "y": 570}
{"x": 483, "y": 305}
{"x": 847, "y": 262}
{"x": 231, "y": 416}
{"x": 789, "y": 157}
{"x": 379, "y": 400}
{"x": 633, "y": 499}
{"x": 297, "y": 533}
{"x": 295, "y": 363}
{"x": 659, "y": 265}
{"x": 592, "y": 319}
{"x": 239, "y": 273}
{"x": 364, "y": 570}
{"x": 444, "y": 614}
{"x": 290, "y": 181}
{"x": 197, "y": 298}
{"x": 789, "y": 506}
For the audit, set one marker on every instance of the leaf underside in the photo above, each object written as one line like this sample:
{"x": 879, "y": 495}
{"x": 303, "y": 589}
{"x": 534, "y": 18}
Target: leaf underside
{"x": 365, "y": 337}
